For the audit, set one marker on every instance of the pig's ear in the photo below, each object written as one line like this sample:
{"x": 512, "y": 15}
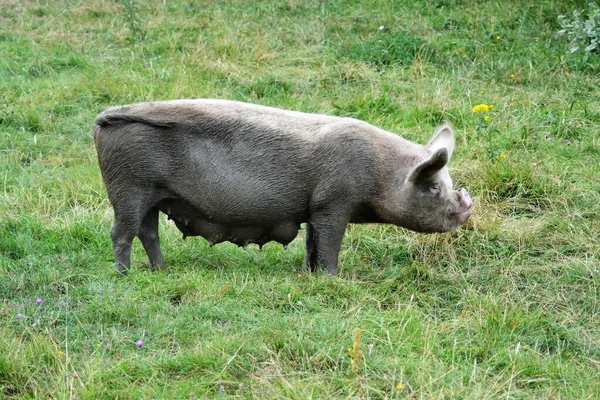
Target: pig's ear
{"x": 443, "y": 139}
{"x": 425, "y": 171}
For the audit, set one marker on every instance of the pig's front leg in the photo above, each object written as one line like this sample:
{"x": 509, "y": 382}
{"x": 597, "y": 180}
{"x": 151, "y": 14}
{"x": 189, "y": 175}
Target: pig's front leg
{"x": 328, "y": 228}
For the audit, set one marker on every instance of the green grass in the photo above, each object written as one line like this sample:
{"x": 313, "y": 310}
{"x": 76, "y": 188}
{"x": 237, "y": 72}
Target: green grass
{"x": 506, "y": 307}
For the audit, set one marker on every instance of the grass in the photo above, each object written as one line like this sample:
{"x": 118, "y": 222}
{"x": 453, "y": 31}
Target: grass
{"x": 506, "y": 307}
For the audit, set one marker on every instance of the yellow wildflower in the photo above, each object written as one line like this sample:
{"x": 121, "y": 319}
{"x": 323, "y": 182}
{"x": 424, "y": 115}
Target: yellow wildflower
{"x": 482, "y": 107}
{"x": 61, "y": 353}
{"x": 502, "y": 156}
{"x": 497, "y": 37}
{"x": 486, "y": 118}
{"x": 399, "y": 386}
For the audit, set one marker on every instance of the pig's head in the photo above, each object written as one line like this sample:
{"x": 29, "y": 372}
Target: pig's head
{"x": 422, "y": 198}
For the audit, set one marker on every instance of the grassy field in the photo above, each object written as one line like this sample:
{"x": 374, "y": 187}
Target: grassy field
{"x": 506, "y": 307}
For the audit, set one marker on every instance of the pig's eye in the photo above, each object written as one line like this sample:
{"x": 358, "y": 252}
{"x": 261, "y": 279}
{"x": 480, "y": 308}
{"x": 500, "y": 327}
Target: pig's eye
{"x": 435, "y": 189}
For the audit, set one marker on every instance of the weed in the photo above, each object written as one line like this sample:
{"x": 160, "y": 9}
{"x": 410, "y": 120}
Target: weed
{"x": 131, "y": 16}
{"x": 385, "y": 49}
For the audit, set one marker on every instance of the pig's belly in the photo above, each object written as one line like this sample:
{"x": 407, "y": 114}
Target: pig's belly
{"x": 192, "y": 222}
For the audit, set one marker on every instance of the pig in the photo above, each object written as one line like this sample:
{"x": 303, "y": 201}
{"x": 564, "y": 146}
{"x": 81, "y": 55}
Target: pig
{"x": 246, "y": 173}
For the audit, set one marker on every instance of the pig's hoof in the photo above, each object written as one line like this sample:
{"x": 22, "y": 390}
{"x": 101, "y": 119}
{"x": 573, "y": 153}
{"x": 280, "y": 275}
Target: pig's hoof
{"x": 311, "y": 267}
{"x": 157, "y": 267}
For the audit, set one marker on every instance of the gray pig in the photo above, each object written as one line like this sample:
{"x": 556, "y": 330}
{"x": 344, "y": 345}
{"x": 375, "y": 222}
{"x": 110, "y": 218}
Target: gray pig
{"x": 244, "y": 173}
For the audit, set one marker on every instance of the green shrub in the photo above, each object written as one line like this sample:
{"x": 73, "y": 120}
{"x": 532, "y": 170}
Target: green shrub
{"x": 583, "y": 30}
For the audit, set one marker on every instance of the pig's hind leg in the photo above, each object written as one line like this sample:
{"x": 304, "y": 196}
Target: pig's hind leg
{"x": 130, "y": 212}
{"x": 122, "y": 233}
{"x": 311, "y": 258}
{"x": 148, "y": 234}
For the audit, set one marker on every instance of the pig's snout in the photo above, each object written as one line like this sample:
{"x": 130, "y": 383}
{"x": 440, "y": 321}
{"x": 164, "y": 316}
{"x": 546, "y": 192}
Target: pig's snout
{"x": 465, "y": 199}
{"x": 465, "y": 204}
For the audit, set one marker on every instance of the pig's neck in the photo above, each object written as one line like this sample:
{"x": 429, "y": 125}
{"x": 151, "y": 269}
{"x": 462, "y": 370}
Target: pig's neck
{"x": 397, "y": 158}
